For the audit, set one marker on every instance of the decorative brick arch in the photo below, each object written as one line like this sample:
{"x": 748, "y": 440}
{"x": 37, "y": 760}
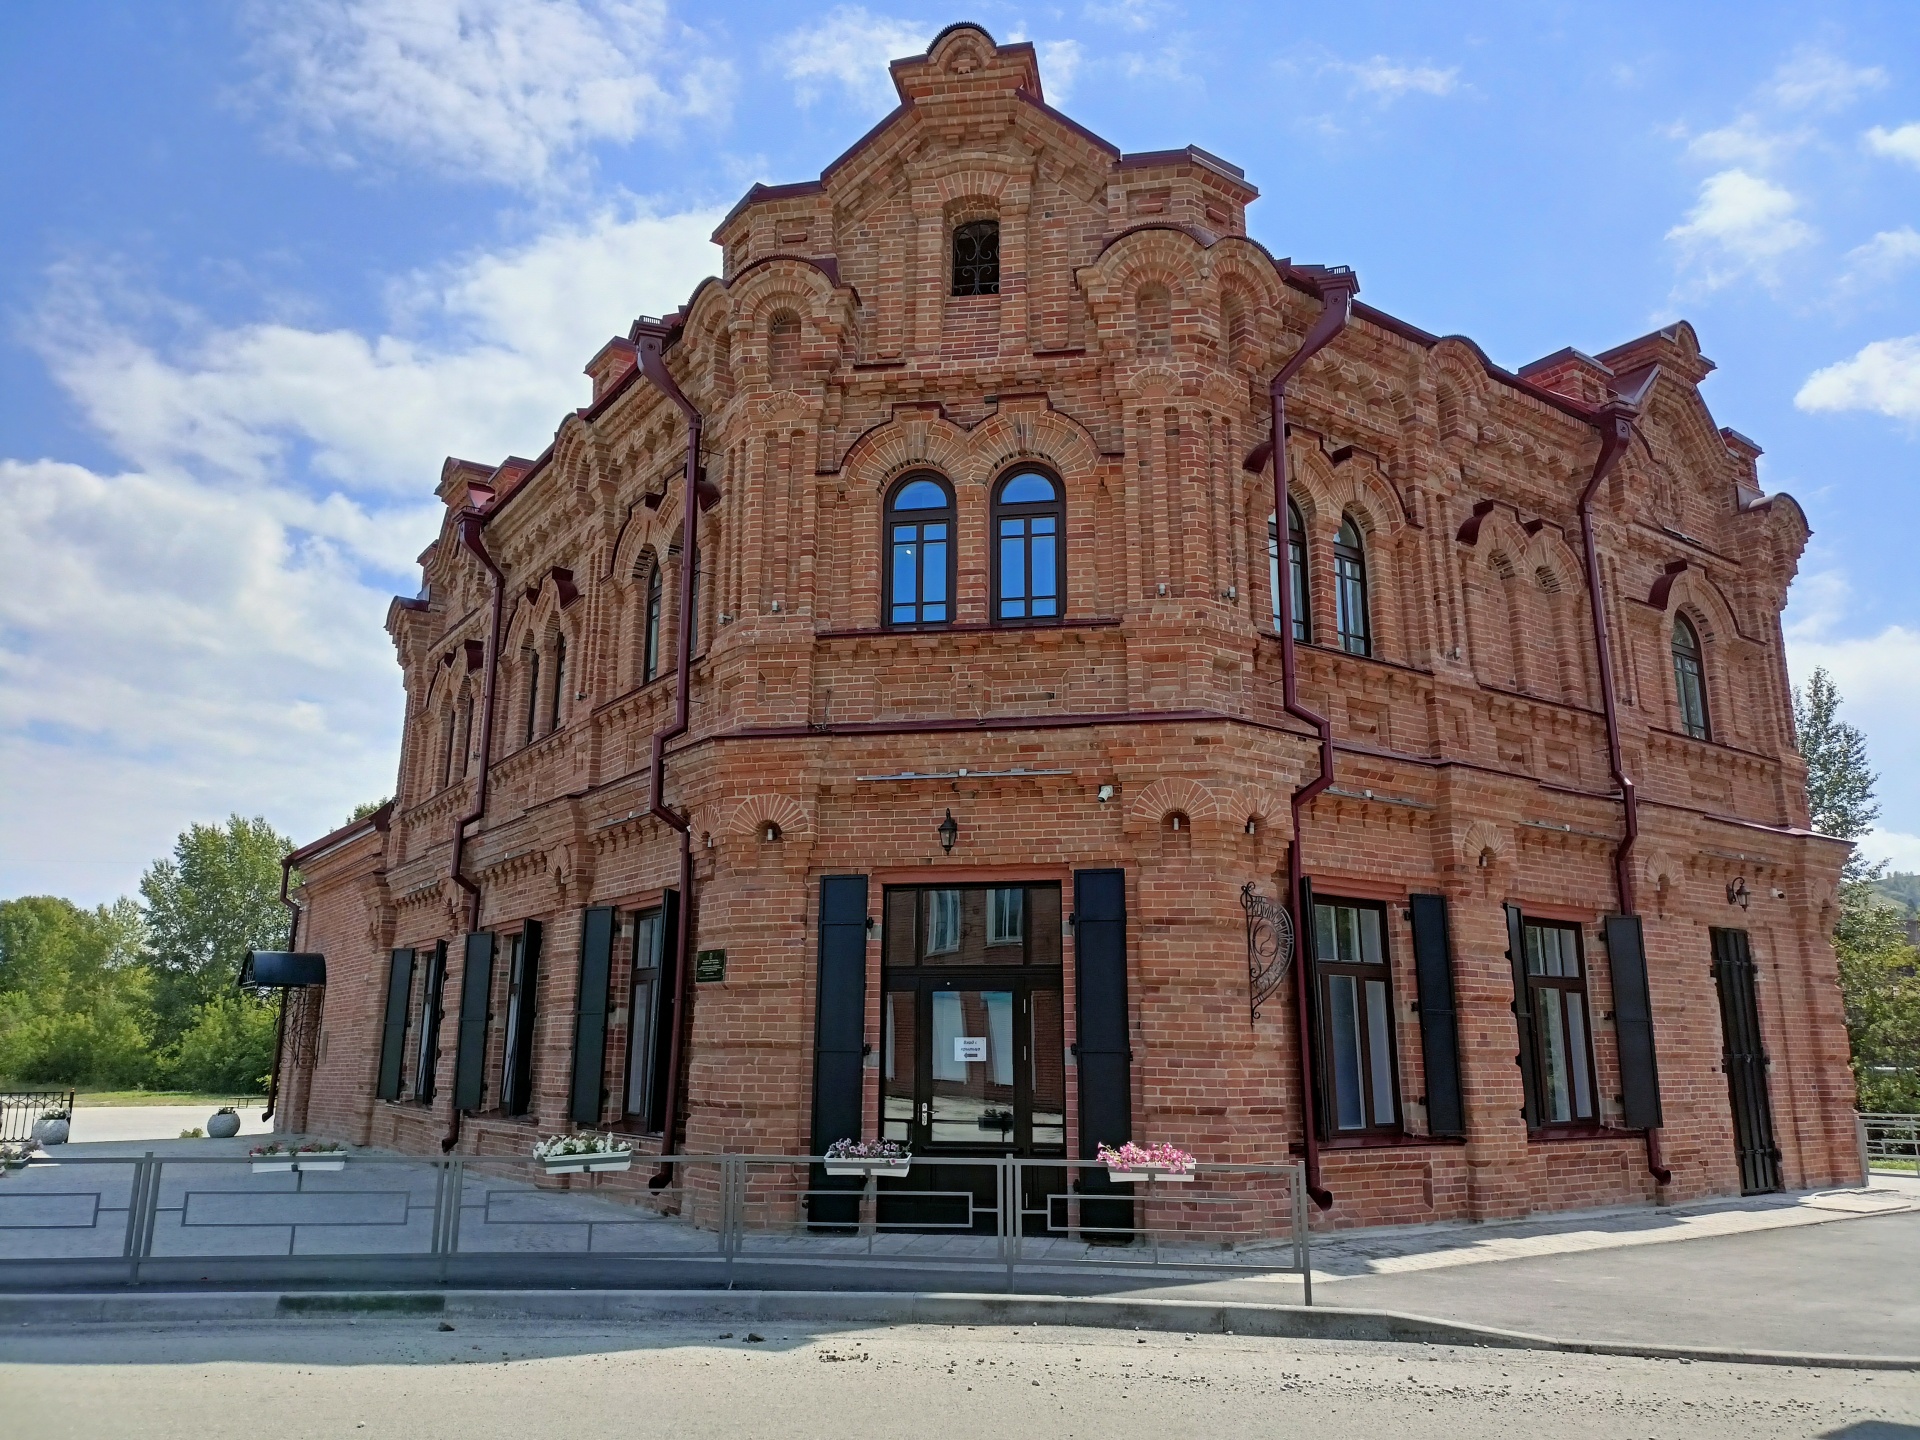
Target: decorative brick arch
{"x": 1150, "y": 808}
{"x": 751, "y": 815}
{"x": 1484, "y": 839}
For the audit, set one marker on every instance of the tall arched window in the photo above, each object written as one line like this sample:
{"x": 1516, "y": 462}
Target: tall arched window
{"x": 559, "y": 683}
{"x": 530, "y": 663}
{"x": 650, "y": 624}
{"x": 919, "y": 552}
{"x": 1296, "y": 573}
{"x": 446, "y": 745}
{"x": 1350, "y": 590}
{"x": 1028, "y": 524}
{"x": 466, "y": 729}
{"x": 1690, "y": 680}
{"x": 976, "y": 258}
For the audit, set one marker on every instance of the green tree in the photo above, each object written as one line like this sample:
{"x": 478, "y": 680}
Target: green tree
{"x": 366, "y": 808}
{"x": 1839, "y": 780}
{"x": 229, "y": 1048}
{"x": 1879, "y": 967}
{"x": 76, "y": 997}
{"x": 217, "y": 898}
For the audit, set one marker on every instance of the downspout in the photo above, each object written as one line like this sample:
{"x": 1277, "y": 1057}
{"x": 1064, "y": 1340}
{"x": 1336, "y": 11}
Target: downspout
{"x": 470, "y": 522}
{"x": 1616, "y": 432}
{"x": 280, "y": 1026}
{"x": 650, "y": 337}
{"x": 1337, "y": 290}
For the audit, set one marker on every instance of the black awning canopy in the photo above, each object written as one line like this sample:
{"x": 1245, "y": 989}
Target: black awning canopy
{"x": 283, "y": 969}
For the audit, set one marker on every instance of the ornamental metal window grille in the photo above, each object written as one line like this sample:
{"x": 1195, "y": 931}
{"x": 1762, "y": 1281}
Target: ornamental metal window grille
{"x": 976, "y": 258}
{"x": 1296, "y": 573}
{"x": 919, "y": 553}
{"x": 1028, "y": 522}
{"x": 1350, "y": 591}
{"x": 1556, "y": 978}
{"x": 1690, "y": 680}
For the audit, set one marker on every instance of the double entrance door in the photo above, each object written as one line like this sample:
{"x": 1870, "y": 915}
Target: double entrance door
{"x": 972, "y": 1056}
{"x": 1744, "y": 1059}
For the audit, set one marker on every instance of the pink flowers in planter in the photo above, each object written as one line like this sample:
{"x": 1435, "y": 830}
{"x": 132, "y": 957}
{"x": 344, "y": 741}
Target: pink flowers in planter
{"x": 1163, "y": 1161}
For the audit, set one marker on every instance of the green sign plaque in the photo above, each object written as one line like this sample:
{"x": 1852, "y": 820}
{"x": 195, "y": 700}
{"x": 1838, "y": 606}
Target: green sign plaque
{"x": 710, "y": 965}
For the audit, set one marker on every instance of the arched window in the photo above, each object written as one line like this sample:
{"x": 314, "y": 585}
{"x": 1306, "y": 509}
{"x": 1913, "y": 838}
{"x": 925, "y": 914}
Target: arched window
{"x": 530, "y": 663}
{"x": 466, "y": 729}
{"x": 1296, "y": 573}
{"x": 559, "y": 682}
{"x": 446, "y": 745}
{"x": 919, "y": 552}
{"x": 1350, "y": 590}
{"x": 1028, "y": 521}
{"x": 976, "y": 258}
{"x": 650, "y": 624}
{"x": 1690, "y": 680}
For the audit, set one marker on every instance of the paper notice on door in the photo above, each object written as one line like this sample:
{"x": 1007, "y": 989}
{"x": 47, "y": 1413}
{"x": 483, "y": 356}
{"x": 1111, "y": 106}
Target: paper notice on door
{"x": 969, "y": 1047}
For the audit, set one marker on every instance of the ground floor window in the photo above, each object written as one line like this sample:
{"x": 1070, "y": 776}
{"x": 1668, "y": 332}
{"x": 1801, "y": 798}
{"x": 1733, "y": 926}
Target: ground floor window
{"x": 523, "y": 983}
{"x": 643, "y": 1007}
{"x": 426, "y": 1059}
{"x": 1355, "y": 992}
{"x": 1556, "y": 980}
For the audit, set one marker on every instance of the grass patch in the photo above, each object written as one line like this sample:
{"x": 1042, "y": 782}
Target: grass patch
{"x": 89, "y": 1098}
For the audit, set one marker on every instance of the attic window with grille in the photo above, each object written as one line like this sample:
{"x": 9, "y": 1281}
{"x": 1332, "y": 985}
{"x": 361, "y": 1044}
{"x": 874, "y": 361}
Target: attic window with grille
{"x": 976, "y": 258}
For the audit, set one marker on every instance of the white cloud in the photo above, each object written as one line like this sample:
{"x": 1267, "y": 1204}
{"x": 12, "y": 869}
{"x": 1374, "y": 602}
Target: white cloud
{"x": 1884, "y": 256}
{"x": 505, "y": 90}
{"x": 486, "y": 361}
{"x": 1900, "y": 144}
{"x": 1390, "y": 79}
{"x": 1059, "y": 64}
{"x": 1884, "y": 377}
{"x": 1745, "y": 142}
{"x": 1812, "y": 78}
{"x": 1741, "y": 226}
{"x": 851, "y": 49}
{"x": 1128, "y": 14}
{"x": 202, "y": 633}
{"x": 1900, "y": 851}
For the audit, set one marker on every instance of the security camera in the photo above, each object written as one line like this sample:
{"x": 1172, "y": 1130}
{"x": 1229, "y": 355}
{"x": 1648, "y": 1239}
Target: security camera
{"x": 1105, "y": 793}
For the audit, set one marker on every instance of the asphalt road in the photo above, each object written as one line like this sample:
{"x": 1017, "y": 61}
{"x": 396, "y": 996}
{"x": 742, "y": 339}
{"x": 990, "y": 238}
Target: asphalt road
{"x": 410, "y": 1380}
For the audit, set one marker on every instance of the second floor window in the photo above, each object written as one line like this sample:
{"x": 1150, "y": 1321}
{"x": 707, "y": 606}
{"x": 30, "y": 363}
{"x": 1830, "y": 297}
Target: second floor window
{"x": 1296, "y": 573}
{"x": 919, "y": 550}
{"x": 532, "y": 663}
{"x": 1350, "y": 590}
{"x": 1027, "y": 525}
{"x": 650, "y": 626}
{"x": 1690, "y": 680}
{"x": 976, "y": 258}
{"x": 559, "y": 683}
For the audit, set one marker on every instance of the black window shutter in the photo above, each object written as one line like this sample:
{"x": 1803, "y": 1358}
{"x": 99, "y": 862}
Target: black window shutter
{"x": 1439, "y": 1033}
{"x": 1633, "y": 1022}
{"x": 664, "y": 1013}
{"x": 516, "y": 1085}
{"x": 1523, "y": 1014}
{"x": 1306, "y": 942}
{"x": 590, "y": 1016}
{"x": 1100, "y": 1005}
{"x": 393, "y": 1035}
{"x": 839, "y": 1037}
{"x": 476, "y": 994}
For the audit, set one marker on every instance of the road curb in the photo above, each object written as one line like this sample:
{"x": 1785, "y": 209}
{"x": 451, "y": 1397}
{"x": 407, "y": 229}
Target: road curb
{"x": 1292, "y": 1322}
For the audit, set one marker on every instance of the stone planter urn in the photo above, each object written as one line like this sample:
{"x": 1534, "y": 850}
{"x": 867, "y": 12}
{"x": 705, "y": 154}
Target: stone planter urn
{"x": 50, "y": 1130}
{"x": 224, "y": 1124}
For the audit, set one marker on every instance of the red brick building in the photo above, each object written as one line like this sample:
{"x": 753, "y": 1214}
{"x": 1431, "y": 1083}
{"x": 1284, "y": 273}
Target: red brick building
{"x": 1001, "y": 684}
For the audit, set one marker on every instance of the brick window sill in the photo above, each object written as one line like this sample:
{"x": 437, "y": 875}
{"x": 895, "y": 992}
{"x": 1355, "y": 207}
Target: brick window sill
{"x": 1380, "y": 1142}
{"x": 1555, "y": 1134}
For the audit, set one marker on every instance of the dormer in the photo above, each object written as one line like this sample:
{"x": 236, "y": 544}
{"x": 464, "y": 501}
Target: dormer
{"x": 1572, "y": 373}
{"x": 465, "y": 484}
{"x": 1675, "y": 349}
{"x": 616, "y": 359}
{"x": 1180, "y": 187}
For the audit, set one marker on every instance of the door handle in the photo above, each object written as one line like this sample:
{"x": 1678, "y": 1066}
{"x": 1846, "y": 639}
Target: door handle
{"x": 926, "y": 1112}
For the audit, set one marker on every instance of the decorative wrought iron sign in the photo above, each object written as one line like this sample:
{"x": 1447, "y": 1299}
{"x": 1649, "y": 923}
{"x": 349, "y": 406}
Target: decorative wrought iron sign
{"x": 1269, "y": 945}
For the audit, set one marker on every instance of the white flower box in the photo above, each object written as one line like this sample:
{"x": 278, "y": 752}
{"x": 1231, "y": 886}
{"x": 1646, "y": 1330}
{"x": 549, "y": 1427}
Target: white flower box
{"x": 575, "y": 1164}
{"x": 274, "y": 1165}
{"x": 1141, "y": 1177}
{"x": 868, "y": 1167}
{"x": 320, "y": 1162}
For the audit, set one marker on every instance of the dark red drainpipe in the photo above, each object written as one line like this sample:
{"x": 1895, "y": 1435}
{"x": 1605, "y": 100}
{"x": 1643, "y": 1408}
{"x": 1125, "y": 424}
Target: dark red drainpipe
{"x": 1337, "y": 289}
{"x": 1616, "y": 432}
{"x": 650, "y": 337}
{"x": 280, "y": 1026}
{"x": 470, "y": 522}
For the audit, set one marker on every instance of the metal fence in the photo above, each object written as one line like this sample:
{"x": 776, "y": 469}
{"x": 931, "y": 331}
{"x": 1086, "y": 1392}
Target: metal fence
{"x": 1892, "y": 1141}
{"x": 19, "y": 1109}
{"x": 101, "y": 1220}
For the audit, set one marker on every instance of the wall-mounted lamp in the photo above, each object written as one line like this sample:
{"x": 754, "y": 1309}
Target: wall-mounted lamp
{"x": 1737, "y": 893}
{"x": 949, "y": 832}
{"x": 1104, "y": 794}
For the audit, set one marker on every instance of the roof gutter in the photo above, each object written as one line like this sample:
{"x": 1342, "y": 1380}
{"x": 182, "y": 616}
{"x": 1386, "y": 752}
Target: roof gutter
{"x": 471, "y": 521}
{"x": 650, "y": 337}
{"x": 1615, "y": 421}
{"x": 1337, "y": 289}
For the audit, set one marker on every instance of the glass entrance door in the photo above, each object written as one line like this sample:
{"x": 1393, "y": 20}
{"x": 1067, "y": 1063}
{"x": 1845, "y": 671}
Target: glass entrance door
{"x": 973, "y": 1045}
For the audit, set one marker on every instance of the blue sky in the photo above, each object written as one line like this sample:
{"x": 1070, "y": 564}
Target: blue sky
{"x": 265, "y": 265}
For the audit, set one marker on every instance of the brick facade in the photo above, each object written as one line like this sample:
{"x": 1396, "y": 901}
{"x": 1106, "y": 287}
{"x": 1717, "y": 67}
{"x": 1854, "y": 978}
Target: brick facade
{"x": 1127, "y": 354}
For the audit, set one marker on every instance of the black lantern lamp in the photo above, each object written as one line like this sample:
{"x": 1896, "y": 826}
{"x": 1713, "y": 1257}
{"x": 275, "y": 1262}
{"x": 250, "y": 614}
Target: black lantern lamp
{"x": 949, "y": 832}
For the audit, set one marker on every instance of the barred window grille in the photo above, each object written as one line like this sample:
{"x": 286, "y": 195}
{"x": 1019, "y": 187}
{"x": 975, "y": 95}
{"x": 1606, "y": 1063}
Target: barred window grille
{"x": 976, "y": 258}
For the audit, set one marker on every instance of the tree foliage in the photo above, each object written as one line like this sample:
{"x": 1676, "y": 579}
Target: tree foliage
{"x": 1839, "y": 780}
{"x": 76, "y": 997}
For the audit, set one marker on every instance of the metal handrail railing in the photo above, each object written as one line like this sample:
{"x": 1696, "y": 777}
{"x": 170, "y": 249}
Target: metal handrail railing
{"x": 1891, "y": 1137}
{"x": 19, "y": 1109}
{"x": 425, "y": 1215}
